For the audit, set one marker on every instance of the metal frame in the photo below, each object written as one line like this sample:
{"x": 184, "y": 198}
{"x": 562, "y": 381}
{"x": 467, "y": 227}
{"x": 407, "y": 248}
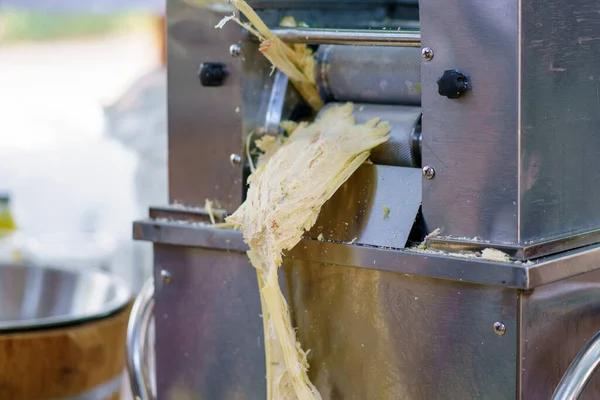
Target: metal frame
{"x": 534, "y": 71}
{"x": 451, "y": 266}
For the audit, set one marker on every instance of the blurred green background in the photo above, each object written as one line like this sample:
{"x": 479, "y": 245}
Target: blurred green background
{"x": 22, "y": 26}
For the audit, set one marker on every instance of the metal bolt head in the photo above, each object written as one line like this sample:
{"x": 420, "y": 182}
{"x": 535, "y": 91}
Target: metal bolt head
{"x": 427, "y": 53}
{"x": 499, "y": 328}
{"x": 428, "y": 172}
{"x": 166, "y": 276}
{"x": 235, "y": 50}
{"x": 235, "y": 159}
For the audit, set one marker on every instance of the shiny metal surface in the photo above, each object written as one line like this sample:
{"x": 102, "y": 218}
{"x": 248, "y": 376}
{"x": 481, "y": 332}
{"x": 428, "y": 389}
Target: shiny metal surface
{"x": 560, "y": 115}
{"x": 185, "y": 233}
{"x": 382, "y": 321}
{"x": 209, "y": 339}
{"x": 402, "y": 148}
{"x": 276, "y": 104}
{"x": 137, "y": 343}
{"x": 205, "y": 123}
{"x": 364, "y": 37}
{"x": 558, "y": 321}
{"x": 369, "y": 74}
{"x": 418, "y": 328}
{"x": 433, "y": 265}
{"x": 472, "y": 142}
{"x": 522, "y": 252}
{"x": 267, "y": 97}
{"x": 380, "y": 335}
{"x": 580, "y": 372}
{"x": 440, "y": 265}
{"x": 38, "y": 297}
{"x": 519, "y": 179}
{"x": 368, "y": 210}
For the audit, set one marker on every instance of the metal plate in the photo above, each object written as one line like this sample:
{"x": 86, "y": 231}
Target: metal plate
{"x": 356, "y": 212}
{"x": 40, "y": 297}
{"x": 528, "y": 275}
{"x": 472, "y": 142}
{"x": 557, "y": 321}
{"x": 209, "y": 335}
{"x": 385, "y": 336}
{"x": 560, "y": 89}
{"x": 205, "y": 123}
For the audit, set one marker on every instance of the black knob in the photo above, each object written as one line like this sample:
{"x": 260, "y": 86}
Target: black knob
{"x": 452, "y": 84}
{"x": 212, "y": 73}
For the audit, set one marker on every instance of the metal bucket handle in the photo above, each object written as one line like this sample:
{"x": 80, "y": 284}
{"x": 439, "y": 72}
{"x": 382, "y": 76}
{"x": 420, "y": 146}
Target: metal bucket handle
{"x": 137, "y": 343}
{"x": 580, "y": 372}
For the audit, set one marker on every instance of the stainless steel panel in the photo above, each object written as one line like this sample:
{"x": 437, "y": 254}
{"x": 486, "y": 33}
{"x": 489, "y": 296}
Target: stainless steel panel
{"x": 472, "y": 142}
{"x": 377, "y": 206}
{"x": 380, "y": 335}
{"x": 560, "y": 89}
{"x": 557, "y": 321}
{"x": 209, "y": 339}
{"x": 435, "y": 265}
{"x": 205, "y": 123}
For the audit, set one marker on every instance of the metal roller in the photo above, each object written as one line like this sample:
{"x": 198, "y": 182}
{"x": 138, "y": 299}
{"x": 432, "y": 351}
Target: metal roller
{"x": 403, "y": 149}
{"x": 369, "y": 74}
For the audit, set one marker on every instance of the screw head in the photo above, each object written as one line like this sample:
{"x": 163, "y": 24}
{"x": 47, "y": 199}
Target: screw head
{"x": 166, "y": 276}
{"x": 235, "y": 50}
{"x": 428, "y": 172}
{"x": 235, "y": 159}
{"x": 427, "y": 53}
{"x": 499, "y": 328}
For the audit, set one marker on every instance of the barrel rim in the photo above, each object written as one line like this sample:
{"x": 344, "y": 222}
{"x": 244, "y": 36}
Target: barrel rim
{"x": 116, "y": 304}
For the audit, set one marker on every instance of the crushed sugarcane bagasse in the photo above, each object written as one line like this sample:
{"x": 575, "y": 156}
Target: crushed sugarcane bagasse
{"x": 285, "y": 196}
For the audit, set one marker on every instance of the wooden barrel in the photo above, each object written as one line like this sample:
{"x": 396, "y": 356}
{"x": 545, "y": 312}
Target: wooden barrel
{"x": 83, "y": 359}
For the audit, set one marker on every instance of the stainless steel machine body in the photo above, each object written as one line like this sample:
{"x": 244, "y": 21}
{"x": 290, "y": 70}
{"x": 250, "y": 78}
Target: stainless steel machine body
{"x": 493, "y": 142}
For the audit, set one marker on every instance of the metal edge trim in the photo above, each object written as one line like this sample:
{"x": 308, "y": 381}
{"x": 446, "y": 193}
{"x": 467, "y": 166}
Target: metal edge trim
{"x": 189, "y": 233}
{"x": 526, "y": 252}
{"x": 562, "y": 266}
{"x": 432, "y": 265}
{"x": 450, "y": 244}
{"x": 118, "y": 304}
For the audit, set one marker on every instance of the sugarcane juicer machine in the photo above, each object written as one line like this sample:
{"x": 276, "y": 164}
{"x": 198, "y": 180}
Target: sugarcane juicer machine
{"x": 494, "y": 108}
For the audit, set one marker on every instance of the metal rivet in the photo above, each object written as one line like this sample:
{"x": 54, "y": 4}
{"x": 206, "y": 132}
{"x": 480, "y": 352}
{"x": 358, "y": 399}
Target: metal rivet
{"x": 235, "y": 50}
{"x": 428, "y": 172}
{"x": 235, "y": 159}
{"x": 427, "y": 53}
{"x": 166, "y": 276}
{"x": 499, "y": 328}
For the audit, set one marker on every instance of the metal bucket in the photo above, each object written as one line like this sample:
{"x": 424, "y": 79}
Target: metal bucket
{"x": 62, "y": 333}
